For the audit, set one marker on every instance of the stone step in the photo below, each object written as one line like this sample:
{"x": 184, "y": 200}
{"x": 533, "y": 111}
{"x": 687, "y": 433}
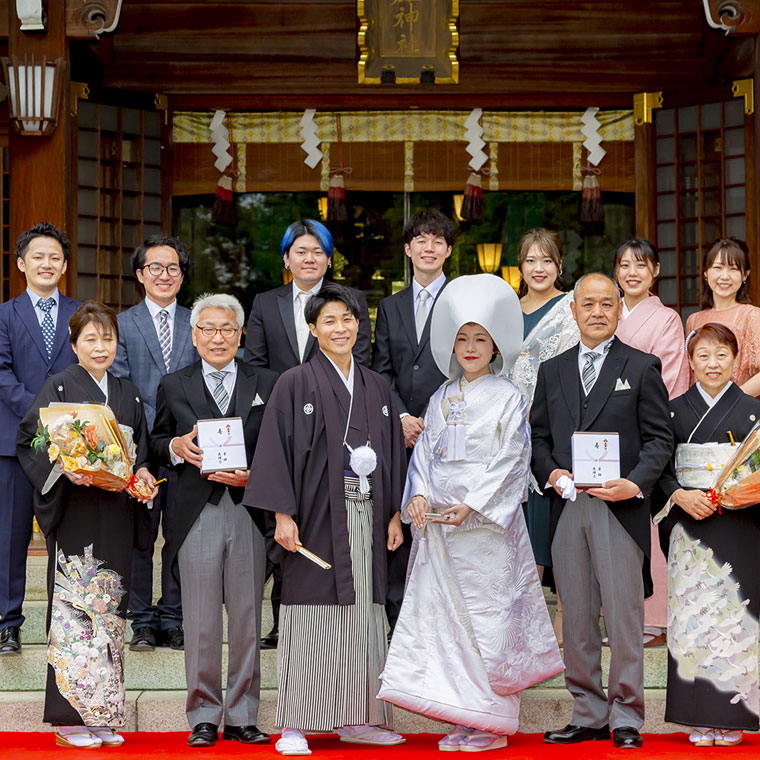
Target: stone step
{"x": 33, "y": 630}
{"x": 541, "y": 709}
{"x": 164, "y": 669}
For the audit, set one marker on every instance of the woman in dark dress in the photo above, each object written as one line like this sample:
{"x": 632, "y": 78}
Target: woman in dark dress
{"x": 713, "y": 557}
{"x": 90, "y": 534}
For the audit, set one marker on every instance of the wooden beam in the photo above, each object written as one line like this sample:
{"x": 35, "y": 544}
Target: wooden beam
{"x": 39, "y": 166}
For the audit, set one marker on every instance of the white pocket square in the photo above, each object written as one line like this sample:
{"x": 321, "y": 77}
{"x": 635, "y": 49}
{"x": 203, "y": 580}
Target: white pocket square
{"x": 258, "y": 402}
{"x": 622, "y": 385}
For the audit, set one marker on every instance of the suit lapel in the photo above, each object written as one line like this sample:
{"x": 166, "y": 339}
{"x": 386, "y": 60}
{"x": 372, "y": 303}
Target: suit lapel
{"x": 147, "y": 329}
{"x": 180, "y": 338}
{"x": 61, "y": 330}
{"x": 611, "y": 370}
{"x": 285, "y": 304}
{"x": 245, "y": 391}
{"x": 571, "y": 383}
{"x": 25, "y": 310}
{"x": 195, "y": 391}
{"x": 405, "y": 304}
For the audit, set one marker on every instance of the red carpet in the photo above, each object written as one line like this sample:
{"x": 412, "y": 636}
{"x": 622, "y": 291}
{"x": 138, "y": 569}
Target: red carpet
{"x": 143, "y": 746}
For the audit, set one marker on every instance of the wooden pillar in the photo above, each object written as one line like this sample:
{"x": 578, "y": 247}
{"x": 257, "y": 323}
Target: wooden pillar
{"x": 643, "y": 152}
{"x": 39, "y": 165}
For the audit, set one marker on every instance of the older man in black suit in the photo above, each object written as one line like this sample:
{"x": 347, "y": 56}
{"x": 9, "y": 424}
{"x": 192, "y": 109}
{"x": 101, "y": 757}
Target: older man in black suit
{"x": 402, "y": 351}
{"x": 221, "y": 553}
{"x": 600, "y": 545}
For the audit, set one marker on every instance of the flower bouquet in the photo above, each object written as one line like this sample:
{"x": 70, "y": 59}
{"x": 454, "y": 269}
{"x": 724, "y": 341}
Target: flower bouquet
{"x": 85, "y": 439}
{"x": 739, "y": 484}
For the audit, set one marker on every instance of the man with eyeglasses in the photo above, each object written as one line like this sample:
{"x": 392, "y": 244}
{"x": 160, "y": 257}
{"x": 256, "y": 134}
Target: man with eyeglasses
{"x": 154, "y": 339}
{"x": 219, "y": 550}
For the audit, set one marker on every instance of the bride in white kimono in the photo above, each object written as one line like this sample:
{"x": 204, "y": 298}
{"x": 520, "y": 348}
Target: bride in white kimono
{"x": 473, "y": 629}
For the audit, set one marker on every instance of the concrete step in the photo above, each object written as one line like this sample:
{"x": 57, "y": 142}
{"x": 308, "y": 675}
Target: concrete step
{"x": 541, "y": 709}
{"x": 33, "y": 630}
{"x": 164, "y": 669}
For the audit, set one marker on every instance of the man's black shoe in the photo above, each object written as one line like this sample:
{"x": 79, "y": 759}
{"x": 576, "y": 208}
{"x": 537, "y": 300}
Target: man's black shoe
{"x": 245, "y": 734}
{"x": 143, "y": 640}
{"x": 627, "y": 738}
{"x": 10, "y": 640}
{"x": 203, "y": 735}
{"x": 270, "y": 640}
{"x": 571, "y": 734}
{"x": 173, "y": 637}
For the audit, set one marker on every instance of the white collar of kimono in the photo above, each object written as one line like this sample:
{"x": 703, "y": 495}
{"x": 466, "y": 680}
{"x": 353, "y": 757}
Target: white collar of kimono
{"x": 102, "y": 383}
{"x": 627, "y": 312}
{"x": 347, "y": 381}
{"x": 433, "y": 289}
{"x": 710, "y": 400}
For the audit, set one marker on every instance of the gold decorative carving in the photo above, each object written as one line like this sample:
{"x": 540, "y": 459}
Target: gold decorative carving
{"x": 745, "y": 88}
{"x": 643, "y": 105}
{"x": 162, "y": 104}
{"x": 408, "y": 41}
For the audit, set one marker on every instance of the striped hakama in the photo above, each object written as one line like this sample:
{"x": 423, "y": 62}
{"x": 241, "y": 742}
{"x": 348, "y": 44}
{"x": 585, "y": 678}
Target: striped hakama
{"x": 330, "y": 656}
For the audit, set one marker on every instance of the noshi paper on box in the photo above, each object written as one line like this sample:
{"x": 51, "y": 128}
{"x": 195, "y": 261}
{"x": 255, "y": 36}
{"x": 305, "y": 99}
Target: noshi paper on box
{"x": 596, "y": 458}
{"x": 223, "y": 445}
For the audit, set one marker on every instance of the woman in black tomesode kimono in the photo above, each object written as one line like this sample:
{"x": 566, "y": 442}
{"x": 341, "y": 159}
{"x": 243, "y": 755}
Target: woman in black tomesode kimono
{"x": 91, "y": 534}
{"x": 713, "y": 556}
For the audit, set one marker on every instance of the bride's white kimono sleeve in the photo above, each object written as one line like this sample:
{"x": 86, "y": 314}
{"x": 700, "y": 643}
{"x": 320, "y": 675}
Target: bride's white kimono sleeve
{"x": 474, "y": 629}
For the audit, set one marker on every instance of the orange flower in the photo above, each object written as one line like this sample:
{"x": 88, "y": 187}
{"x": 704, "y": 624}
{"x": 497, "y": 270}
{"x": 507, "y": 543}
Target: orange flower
{"x": 89, "y": 434}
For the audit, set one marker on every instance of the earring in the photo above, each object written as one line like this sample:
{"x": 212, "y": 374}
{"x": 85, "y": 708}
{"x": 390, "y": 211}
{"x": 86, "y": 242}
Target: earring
{"x": 286, "y": 266}
{"x": 329, "y": 264}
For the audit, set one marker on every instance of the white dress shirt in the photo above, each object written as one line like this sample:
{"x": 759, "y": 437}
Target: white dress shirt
{"x": 155, "y": 310}
{"x": 709, "y": 400}
{"x": 433, "y": 289}
{"x": 41, "y": 314}
{"x": 601, "y": 349}
{"x": 297, "y": 290}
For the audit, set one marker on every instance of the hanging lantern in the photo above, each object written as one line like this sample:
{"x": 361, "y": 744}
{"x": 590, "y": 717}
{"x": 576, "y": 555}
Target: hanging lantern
{"x": 35, "y": 85}
{"x": 458, "y": 200}
{"x": 489, "y": 256}
{"x": 472, "y": 205}
{"x": 512, "y": 275}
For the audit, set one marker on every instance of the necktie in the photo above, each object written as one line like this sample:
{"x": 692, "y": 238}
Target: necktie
{"x": 165, "y": 336}
{"x": 421, "y": 315}
{"x": 220, "y": 394}
{"x": 588, "y": 376}
{"x": 48, "y": 328}
{"x": 302, "y": 328}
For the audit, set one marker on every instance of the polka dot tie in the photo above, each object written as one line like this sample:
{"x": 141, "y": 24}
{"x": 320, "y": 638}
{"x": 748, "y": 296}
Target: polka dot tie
{"x": 48, "y": 328}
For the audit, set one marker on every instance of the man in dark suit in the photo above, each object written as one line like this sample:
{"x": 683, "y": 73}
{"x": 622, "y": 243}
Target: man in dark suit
{"x": 34, "y": 344}
{"x": 278, "y": 336}
{"x": 600, "y": 545}
{"x": 154, "y": 338}
{"x": 402, "y": 352}
{"x": 219, "y": 550}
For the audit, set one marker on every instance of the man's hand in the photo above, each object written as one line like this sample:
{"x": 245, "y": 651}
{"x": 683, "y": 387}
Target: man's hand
{"x": 395, "y": 534}
{"x": 460, "y": 512}
{"x": 184, "y": 447}
{"x": 619, "y": 489}
{"x": 412, "y": 426}
{"x": 145, "y": 475}
{"x": 286, "y": 532}
{"x": 694, "y": 503}
{"x": 555, "y": 475}
{"x": 236, "y": 479}
{"x": 417, "y": 508}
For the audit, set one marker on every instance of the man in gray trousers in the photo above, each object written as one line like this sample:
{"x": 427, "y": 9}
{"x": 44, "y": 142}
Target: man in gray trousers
{"x": 221, "y": 553}
{"x": 600, "y": 545}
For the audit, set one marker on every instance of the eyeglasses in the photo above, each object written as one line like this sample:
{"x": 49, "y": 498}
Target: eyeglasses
{"x": 210, "y": 332}
{"x": 156, "y": 269}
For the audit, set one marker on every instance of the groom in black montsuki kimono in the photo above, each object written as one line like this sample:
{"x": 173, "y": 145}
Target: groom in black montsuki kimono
{"x": 328, "y": 473}
{"x": 601, "y": 541}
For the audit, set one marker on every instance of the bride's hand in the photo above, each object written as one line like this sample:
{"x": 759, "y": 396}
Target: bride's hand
{"x": 417, "y": 508}
{"x": 694, "y": 503}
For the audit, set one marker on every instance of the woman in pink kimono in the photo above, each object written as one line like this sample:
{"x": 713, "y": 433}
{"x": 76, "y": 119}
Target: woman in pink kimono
{"x": 650, "y": 326}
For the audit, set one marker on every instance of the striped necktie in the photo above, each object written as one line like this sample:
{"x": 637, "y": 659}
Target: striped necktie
{"x": 220, "y": 394}
{"x": 588, "y": 376}
{"x": 48, "y": 328}
{"x": 165, "y": 337}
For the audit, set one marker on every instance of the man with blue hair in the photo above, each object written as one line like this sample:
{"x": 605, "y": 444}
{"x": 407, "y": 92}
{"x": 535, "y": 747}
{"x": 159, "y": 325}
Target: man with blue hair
{"x": 278, "y": 336}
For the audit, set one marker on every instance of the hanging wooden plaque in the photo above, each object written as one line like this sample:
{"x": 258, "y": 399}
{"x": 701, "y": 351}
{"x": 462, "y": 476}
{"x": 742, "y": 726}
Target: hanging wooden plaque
{"x": 408, "y": 41}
